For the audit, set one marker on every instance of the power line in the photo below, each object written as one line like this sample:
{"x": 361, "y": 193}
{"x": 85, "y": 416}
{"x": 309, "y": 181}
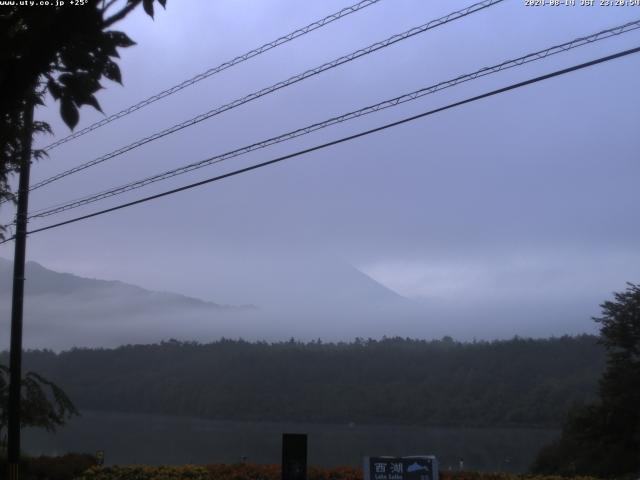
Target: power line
{"x": 277, "y": 86}
{"x": 212, "y": 71}
{"x": 531, "y": 57}
{"x": 345, "y": 139}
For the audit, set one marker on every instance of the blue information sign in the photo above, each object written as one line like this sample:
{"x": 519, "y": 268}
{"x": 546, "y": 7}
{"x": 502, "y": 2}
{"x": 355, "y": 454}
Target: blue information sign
{"x": 418, "y": 467}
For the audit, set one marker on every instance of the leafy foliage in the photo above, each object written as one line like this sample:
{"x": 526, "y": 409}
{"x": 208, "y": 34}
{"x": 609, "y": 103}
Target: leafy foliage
{"x": 266, "y": 472}
{"x": 603, "y": 439}
{"x": 141, "y": 472}
{"x": 63, "y": 51}
{"x": 395, "y": 380}
{"x": 44, "y": 404}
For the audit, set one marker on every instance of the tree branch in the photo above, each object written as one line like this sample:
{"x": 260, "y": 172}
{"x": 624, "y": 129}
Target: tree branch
{"x": 116, "y": 17}
{"x": 106, "y": 6}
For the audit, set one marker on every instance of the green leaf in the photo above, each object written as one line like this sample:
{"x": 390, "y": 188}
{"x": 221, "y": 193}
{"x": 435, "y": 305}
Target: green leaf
{"x": 120, "y": 39}
{"x": 148, "y": 7}
{"x": 112, "y": 72}
{"x": 66, "y": 79}
{"x": 42, "y": 127}
{"x": 54, "y": 89}
{"x": 69, "y": 112}
{"x": 81, "y": 84}
{"x": 91, "y": 100}
{"x": 39, "y": 153}
{"x": 108, "y": 47}
{"x": 75, "y": 57}
{"x": 79, "y": 89}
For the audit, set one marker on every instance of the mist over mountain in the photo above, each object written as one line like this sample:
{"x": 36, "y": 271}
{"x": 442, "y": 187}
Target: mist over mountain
{"x": 272, "y": 298}
{"x": 63, "y": 310}
{"x": 42, "y": 281}
{"x": 309, "y": 299}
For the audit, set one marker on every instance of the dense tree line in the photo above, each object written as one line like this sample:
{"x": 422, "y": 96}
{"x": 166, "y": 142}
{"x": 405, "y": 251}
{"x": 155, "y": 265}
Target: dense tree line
{"x": 514, "y": 382}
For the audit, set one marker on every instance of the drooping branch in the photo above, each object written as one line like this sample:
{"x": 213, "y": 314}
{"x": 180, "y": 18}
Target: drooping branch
{"x": 44, "y": 404}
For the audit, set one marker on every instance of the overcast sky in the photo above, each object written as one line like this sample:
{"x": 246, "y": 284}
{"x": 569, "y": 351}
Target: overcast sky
{"x": 524, "y": 204}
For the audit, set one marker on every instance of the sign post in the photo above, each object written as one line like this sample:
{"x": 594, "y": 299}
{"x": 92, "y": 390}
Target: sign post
{"x": 294, "y": 456}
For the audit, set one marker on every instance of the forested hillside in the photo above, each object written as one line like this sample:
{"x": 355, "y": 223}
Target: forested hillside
{"x": 515, "y": 382}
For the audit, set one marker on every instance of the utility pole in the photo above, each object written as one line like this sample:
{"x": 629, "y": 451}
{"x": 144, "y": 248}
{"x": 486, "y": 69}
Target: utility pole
{"x": 15, "y": 353}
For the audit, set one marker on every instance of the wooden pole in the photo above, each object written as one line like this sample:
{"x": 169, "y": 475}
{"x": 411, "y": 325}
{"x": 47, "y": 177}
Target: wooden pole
{"x": 15, "y": 353}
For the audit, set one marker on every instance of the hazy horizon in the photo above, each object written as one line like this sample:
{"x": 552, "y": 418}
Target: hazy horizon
{"x": 338, "y": 303}
{"x": 509, "y": 216}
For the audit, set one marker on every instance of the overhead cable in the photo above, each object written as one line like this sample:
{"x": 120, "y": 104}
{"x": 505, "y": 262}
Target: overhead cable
{"x": 277, "y": 86}
{"x": 514, "y": 86}
{"x": 214, "y": 70}
{"x": 525, "y": 59}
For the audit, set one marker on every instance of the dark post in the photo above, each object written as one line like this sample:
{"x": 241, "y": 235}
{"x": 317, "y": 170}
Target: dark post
{"x": 15, "y": 354}
{"x": 294, "y": 456}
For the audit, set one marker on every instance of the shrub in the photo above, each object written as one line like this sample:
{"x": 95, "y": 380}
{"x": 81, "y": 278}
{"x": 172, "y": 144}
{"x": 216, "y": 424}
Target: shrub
{"x": 269, "y": 472}
{"x": 66, "y": 467}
